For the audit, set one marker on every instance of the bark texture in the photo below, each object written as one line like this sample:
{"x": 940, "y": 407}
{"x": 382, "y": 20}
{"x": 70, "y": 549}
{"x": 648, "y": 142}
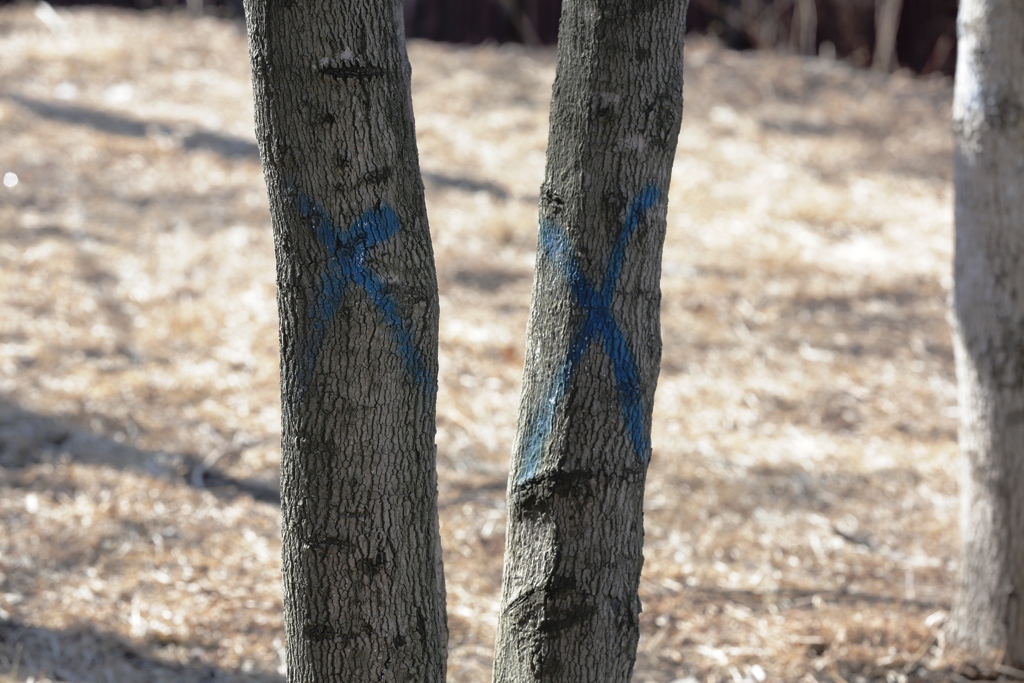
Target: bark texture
{"x": 575, "y": 539}
{"x": 988, "y": 302}
{"x": 357, "y": 294}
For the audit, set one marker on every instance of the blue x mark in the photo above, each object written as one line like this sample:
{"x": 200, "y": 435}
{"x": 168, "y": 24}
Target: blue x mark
{"x": 596, "y": 322}
{"x": 346, "y": 265}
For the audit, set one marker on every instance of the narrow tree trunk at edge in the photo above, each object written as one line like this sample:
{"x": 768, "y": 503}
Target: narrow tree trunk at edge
{"x": 988, "y": 303}
{"x": 574, "y": 551}
{"x": 357, "y": 296}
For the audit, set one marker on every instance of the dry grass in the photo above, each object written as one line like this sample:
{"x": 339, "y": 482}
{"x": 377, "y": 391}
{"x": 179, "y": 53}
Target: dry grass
{"x": 801, "y": 508}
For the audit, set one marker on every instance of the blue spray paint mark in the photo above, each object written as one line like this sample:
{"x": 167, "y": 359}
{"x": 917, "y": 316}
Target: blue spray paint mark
{"x": 346, "y": 265}
{"x": 596, "y": 322}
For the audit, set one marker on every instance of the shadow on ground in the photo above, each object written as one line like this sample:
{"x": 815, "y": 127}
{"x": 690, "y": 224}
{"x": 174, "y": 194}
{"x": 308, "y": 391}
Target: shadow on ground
{"x": 29, "y": 652}
{"x": 28, "y": 438}
{"x": 228, "y": 146}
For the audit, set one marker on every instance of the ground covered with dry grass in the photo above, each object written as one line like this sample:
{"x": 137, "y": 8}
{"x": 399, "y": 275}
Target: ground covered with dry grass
{"x": 801, "y": 507}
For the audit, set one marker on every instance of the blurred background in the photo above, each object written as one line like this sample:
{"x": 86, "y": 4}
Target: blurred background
{"x": 801, "y": 510}
{"x": 916, "y": 34}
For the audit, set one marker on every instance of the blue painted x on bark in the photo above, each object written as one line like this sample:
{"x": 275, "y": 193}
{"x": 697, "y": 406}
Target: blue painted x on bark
{"x": 596, "y": 322}
{"x": 346, "y": 266}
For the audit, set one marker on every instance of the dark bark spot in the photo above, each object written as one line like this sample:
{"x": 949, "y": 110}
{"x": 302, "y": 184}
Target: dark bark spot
{"x": 555, "y": 606}
{"x": 566, "y": 617}
{"x": 604, "y": 111}
{"x": 1006, "y": 359}
{"x": 551, "y": 202}
{"x": 328, "y": 119}
{"x": 399, "y": 640}
{"x": 372, "y": 565}
{"x": 360, "y": 72}
{"x": 377, "y": 176}
{"x": 560, "y": 585}
{"x": 535, "y": 496}
{"x": 344, "y": 251}
{"x": 663, "y": 115}
{"x": 282, "y": 153}
{"x": 547, "y": 611}
{"x": 524, "y": 609}
{"x": 421, "y": 629}
{"x": 564, "y": 605}
{"x": 1003, "y": 112}
{"x": 260, "y": 67}
{"x": 317, "y": 632}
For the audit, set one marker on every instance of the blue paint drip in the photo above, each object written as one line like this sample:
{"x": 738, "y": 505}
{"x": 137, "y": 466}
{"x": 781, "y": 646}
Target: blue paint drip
{"x": 346, "y": 265}
{"x": 596, "y": 322}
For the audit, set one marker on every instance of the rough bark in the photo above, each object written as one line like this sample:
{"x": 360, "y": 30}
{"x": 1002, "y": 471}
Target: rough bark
{"x": 988, "y": 306}
{"x": 575, "y": 538}
{"x": 357, "y": 295}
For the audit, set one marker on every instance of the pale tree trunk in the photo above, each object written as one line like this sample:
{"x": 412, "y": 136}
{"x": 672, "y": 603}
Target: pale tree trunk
{"x": 988, "y": 302}
{"x": 887, "y": 24}
{"x": 574, "y": 549}
{"x": 357, "y": 295}
{"x": 805, "y": 27}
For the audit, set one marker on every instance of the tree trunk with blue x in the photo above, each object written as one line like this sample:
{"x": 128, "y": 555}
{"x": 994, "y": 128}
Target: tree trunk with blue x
{"x": 574, "y": 549}
{"x": 364, "y": 590}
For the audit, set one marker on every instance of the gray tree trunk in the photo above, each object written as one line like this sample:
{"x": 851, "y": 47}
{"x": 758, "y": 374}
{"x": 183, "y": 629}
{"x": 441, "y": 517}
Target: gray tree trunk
{"x": 575, "y": 533}
{"x": 357, "y": 295}
{"x": 988, "y": 303}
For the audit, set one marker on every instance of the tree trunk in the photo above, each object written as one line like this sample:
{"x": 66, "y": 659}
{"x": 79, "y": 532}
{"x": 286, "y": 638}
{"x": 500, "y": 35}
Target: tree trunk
{"x": 887, "y": 24}
{"x": 988, "y": 303}
{"x": 357, "y": 296}
{"x": 805, "y": 27}
{"x": 575, "y": 539}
